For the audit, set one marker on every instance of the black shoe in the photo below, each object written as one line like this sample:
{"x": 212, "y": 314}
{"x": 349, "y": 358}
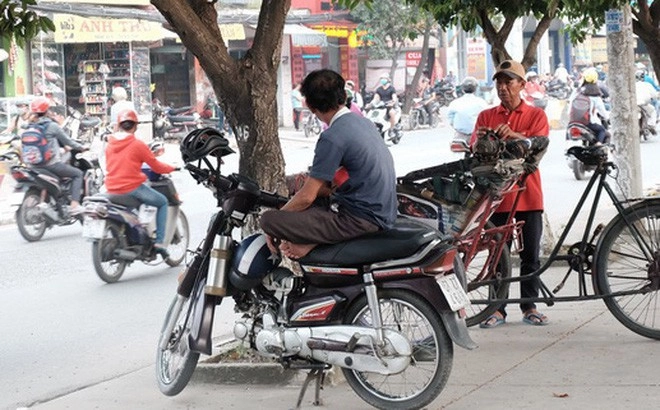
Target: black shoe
{"x": 162, "y": 251}
{"x": 424, "y": 350}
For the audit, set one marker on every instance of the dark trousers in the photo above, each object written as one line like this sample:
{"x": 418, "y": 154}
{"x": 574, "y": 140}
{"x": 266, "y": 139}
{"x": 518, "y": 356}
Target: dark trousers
{"x": 600, "y": 131}
{"x": 63, "y": 170}
{"x": 532, "y": 230}
{"x": 296, "y": 117}
{"x": 314, "y": 225}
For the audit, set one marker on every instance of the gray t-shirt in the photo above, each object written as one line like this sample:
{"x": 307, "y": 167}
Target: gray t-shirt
{"x": 354, "y": 143}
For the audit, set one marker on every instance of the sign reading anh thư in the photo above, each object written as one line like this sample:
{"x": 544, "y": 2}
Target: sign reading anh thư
{"x": 75, "y": 29}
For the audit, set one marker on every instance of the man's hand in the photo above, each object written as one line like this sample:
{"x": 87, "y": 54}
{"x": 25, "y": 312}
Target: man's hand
{"x": 506, "y": 133}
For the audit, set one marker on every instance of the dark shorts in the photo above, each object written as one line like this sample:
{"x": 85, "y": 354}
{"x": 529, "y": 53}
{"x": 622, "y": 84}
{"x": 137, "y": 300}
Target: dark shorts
{"x": 315, "y": 225}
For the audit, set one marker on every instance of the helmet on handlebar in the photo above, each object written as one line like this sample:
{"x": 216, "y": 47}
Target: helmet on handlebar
{"x": 157, "y": 147}
{"x": 252, "y": 262}
{"x": 469, "y": 85}
{"x": 202, "y": 142}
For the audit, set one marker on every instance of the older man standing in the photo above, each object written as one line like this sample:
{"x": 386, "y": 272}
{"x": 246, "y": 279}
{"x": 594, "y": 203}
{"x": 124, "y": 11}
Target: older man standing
{"x": 513, "y": 119}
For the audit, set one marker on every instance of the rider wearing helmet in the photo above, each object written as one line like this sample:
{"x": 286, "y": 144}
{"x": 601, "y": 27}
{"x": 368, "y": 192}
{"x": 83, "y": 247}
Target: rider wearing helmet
{"x": 598, "y": 114}
{"x": 534, "y": 90}
{"x": 387, "y": 94}
{"x": 364, "y": 203}
{"x": 125, "y": 155}
{"x": 462, "y": 112}
{"x": 58, "y": 139}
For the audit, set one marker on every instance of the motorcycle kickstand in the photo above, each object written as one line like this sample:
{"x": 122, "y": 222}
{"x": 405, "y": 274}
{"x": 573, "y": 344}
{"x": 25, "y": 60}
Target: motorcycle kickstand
{"x": 319, "y": 375}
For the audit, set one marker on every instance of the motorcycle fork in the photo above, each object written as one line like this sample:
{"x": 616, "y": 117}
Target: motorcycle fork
{"x": 374, "y": 306}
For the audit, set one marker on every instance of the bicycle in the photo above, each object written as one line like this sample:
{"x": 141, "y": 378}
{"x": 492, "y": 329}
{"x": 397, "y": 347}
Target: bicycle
{"x": 311, "y": 123}
{"x": 624, "y": 263}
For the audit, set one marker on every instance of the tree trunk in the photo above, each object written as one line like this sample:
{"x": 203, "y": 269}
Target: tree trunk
{"x": 623, "y": 118}
{"x": 246, "y": 88}
{"x": 411, "y": 91}
{"x": 647, "y": 28}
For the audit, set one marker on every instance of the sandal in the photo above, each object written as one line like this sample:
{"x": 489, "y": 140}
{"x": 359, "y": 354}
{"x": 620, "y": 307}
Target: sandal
{"x": 535, "y": 319}
{"x": 492, "y": 321}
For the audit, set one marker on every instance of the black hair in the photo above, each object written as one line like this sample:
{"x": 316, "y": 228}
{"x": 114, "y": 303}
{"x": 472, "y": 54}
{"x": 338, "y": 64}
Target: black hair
{"x": 127, "y": 125}
{"x": 591, "y": 90}
{"x": 58, "y": 109}
{"x": 323, "y": 90}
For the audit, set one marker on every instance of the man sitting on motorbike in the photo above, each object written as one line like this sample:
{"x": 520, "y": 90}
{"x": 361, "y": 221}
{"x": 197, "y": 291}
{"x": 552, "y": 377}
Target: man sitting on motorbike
{"x": 462, "y": 112}
{"x": 647, "y": 96}
{"x": 387, "y": 94}
{"x": 364, "y": 203}
{"x": 427, "y": 94}
{"x": 58, "y": 139}
{"x": 125, "y": 155}
{"x": 20, "y": 120}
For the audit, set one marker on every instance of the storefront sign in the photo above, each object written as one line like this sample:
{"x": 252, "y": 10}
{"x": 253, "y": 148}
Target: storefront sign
{"x": 75, "y": 29}
{"x": 232, "y": 32}
{"x": 413, "y": 58}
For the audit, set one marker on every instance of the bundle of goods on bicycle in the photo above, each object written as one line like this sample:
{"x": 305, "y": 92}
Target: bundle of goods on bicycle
{"x": 452, "y": 196}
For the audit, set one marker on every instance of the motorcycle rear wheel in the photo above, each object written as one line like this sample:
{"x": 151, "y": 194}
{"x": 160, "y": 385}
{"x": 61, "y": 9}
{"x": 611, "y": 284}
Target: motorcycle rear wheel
{"x": 425, "y": 377}
{"x": 176, "y": 364}
{"x": 413, "y": 120}
{"x": 31, "y": 224}
{"x": 107, "y": 267}
{"x": 180, "y": 240}
{"x": 578, "y": 170}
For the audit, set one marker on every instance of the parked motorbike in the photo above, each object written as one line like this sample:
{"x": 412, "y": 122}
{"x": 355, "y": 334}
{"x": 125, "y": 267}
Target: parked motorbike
{"x": 81, "y": 127}
{"x": 557, "y": 89}
{"x": 647, "y": 120}
{"x": 420, "y": 116}
{"x": 173, "y": 123}
{"x": 122, "y": 229}
{"x": 578, "y": 134}
{"x": 46, "y": 200}
{"x": 378, "y": 115}
{"x": 371, "y": 306}
{"x": 10, "y": 148}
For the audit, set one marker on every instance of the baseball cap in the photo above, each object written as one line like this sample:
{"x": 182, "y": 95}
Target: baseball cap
{"x": 511, "y": 68}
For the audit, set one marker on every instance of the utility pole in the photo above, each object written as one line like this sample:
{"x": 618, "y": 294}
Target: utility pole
{"x": 624, "y": 124}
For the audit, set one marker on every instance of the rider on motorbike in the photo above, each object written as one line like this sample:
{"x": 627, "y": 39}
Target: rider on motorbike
{"x": 462, "y": 112}
{"x": 387, "y": 94}
{"x": 125, "y": 155}
{"x": 646, "y": 98}
{"x": 598, "y": 115}
{"x": 57, "y": 138}
{"x": 364, "y": 203}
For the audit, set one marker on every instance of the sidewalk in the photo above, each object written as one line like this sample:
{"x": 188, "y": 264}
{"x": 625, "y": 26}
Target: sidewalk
{"x": 584, "y": 359}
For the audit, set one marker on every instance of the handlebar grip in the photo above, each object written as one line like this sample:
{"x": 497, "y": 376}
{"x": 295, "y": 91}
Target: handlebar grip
{"x": 272, "y": 200}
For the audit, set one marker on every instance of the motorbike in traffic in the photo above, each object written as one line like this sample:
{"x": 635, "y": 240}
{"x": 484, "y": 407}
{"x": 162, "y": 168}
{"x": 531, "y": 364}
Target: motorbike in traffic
{"x": 558, "y": 89}
{"x": 123, "y": 230}
{"x": 10, "y": 148}
{"x": 445, "y": 92}
{"x": 419, "y": 115}
{"x": 647, "y": 121}
{"x": 385, "y": 308}
{"x": 45, "y": 197}
{"x": 379, "y": 116}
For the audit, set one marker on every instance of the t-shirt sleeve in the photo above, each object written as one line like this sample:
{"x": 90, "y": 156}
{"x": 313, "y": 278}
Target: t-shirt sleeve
{"x": 327, "y": 158}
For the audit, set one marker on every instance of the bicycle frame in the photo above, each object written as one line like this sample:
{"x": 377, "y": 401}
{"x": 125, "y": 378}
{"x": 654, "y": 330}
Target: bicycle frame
{"x": 575, "y": 260}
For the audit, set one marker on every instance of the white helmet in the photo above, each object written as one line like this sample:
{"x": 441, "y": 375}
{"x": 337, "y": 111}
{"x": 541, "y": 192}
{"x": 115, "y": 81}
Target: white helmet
{"x": 530, "y": 75}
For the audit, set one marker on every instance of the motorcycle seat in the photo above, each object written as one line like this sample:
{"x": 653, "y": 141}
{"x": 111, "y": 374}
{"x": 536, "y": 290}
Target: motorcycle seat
{"x": 180, "y": 110}
{"x": 181, "y": 118}
{"x": 90, "y": 122}
{"x": 122, "y": 199}
{"x": 404, "y": 239}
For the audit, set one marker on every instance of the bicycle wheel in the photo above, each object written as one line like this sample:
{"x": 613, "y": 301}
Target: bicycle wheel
{"x": 623, "y": 265}
{"x": 476, "y": 272}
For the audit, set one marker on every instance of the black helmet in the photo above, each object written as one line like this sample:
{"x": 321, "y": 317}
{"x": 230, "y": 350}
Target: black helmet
{"x": 202, "y": 142}
{"x": 469, "y": 85}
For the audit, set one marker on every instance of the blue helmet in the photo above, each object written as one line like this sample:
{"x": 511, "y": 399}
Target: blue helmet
{"x": 252, "y": 262}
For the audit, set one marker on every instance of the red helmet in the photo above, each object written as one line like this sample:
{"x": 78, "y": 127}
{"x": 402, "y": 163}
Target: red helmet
{"x": 127, "y": 115}
{"x": 40, "y": 105}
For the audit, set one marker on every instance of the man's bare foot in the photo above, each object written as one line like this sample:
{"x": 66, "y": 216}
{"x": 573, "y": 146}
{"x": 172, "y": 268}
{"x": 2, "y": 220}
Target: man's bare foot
{"x": 295, "y": 250}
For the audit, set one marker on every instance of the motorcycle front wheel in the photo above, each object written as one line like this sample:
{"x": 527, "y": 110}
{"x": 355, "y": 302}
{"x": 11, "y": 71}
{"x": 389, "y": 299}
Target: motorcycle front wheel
{"x": 432, "y": 352}
{"x": 107, "y": 266}
{"x": 31, "y": 224}
{"x": 179, "y": 243}
{"x": 176, "y": 363}
{"x": 413, "y": 120}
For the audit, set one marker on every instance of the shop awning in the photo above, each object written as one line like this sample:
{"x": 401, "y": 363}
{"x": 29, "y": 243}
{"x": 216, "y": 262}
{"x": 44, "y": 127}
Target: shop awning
{"x": 305, "y": 36}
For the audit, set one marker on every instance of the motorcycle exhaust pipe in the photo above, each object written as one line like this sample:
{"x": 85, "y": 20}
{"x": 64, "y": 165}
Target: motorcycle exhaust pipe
{"x": 125, "y": 255}
{"x": 216, "y": 280}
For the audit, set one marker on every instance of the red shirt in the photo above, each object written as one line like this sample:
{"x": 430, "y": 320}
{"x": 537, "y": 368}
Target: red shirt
{"x": 124, "y": 158}
{"x": 530, "y": 122}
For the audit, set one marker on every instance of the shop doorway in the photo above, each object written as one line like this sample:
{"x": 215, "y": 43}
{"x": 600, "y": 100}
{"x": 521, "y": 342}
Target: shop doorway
{"x": 170, "y": 72}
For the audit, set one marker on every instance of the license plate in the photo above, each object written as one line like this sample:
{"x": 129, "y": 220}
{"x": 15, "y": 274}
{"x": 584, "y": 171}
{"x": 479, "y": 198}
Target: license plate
{"x": 93, "y": 228}
{"x": 454, "y": 292}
